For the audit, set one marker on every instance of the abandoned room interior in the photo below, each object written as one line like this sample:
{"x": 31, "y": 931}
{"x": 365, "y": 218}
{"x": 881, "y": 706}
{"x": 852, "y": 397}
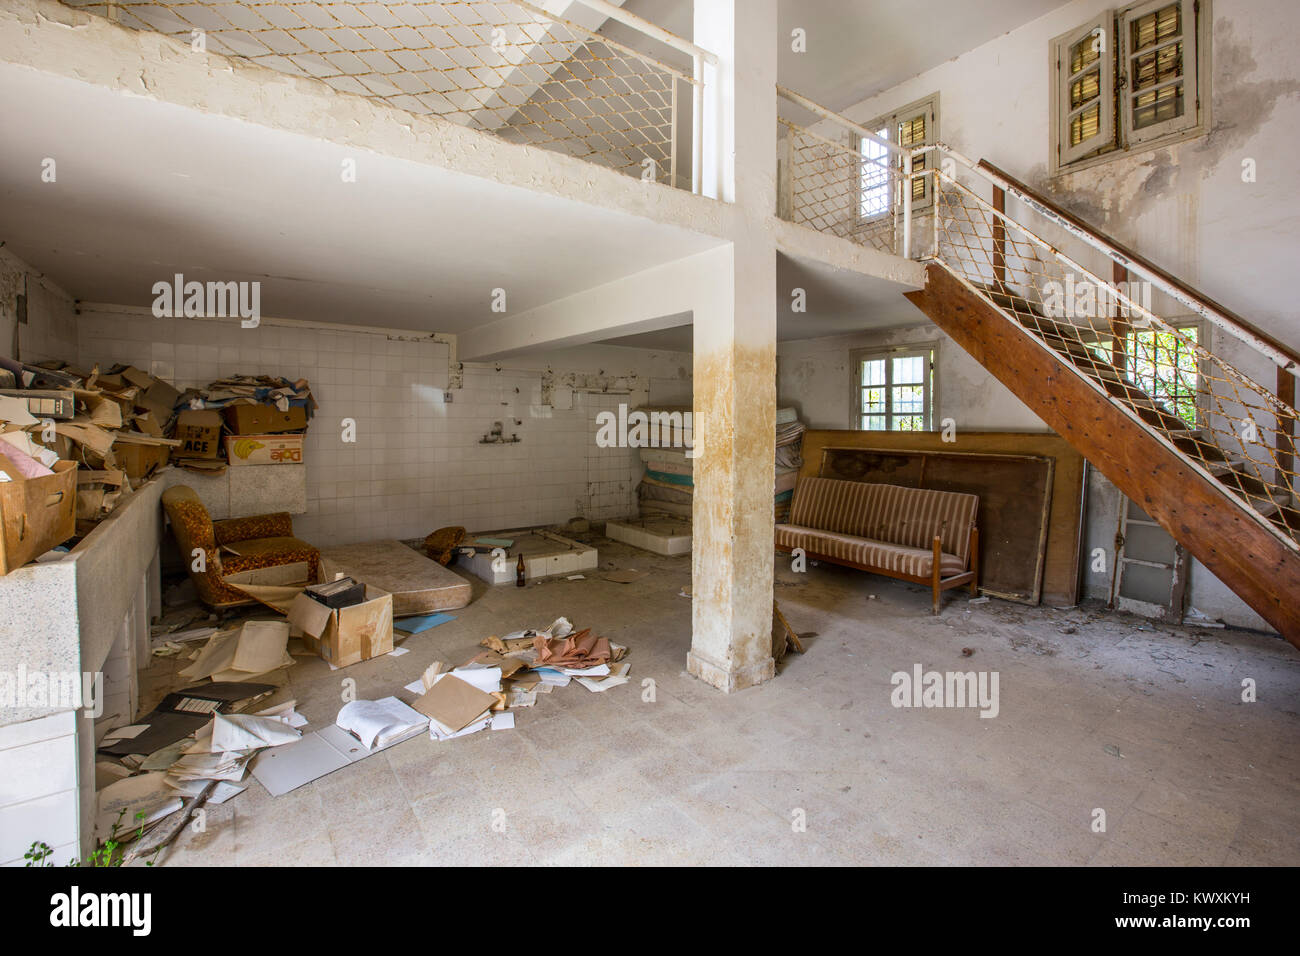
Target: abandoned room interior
{"x": 688, "y": 432}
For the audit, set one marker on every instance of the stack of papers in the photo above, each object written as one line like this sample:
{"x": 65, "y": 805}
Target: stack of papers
{"x": 380, "y": 723}
{"x": 458, "y": 703}
{"x": 616, "y": 675}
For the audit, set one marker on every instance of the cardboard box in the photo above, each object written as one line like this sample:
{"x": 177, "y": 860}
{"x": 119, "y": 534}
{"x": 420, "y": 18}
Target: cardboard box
{"x": 159, "y": 399}
{"x": 264, "y": 449}
{"x": 199, "y": 430}
{"x": 263, "y": 419}
{"x": 36, "y": 514}
{"x": 347, "y": 635}
{"x": 140, "y": 461}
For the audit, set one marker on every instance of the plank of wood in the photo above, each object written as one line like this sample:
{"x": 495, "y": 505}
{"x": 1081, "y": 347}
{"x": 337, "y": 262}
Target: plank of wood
{"x": 790, "y": 636}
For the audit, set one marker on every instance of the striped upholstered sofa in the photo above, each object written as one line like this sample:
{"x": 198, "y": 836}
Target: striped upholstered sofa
{"x": 914, "y": 534}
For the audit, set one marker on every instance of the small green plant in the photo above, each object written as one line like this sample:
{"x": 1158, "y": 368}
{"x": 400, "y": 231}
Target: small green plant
{"x": 103, "y": 855}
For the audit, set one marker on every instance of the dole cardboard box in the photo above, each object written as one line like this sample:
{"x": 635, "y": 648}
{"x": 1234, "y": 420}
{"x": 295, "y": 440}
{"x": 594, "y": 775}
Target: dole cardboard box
{"x": 346, "y": 635}
{"x": 264, "y": 419}
{"x": 199, "y": 431}
{"x": 264, "y": 449}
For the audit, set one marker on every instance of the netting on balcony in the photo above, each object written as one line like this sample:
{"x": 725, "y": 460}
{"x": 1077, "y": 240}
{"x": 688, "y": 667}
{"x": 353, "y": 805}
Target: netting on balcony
{"x": 507, "y": 68}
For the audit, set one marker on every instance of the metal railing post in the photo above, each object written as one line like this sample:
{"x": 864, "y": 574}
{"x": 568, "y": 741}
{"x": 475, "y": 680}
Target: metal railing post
{"x": 672, "y": 143}
{"x": 907, "y": 205}
{"x": 697, "y": 122}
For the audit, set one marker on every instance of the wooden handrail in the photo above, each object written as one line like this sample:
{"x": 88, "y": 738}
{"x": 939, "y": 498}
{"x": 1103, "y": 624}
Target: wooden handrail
{"x": 1123, "y": 251}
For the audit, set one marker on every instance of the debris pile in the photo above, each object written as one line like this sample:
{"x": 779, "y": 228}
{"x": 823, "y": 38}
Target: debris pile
{"x": 82, "y": 441}
{"x": 243, "y": 420}
{"x": 77, "y": 442}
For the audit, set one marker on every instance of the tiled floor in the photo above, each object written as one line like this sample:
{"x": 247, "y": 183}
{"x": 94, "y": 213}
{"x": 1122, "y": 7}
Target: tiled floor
{"x": 1097, "y": 711}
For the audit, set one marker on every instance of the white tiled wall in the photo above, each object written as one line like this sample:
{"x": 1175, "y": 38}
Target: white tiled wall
{"x": 611, "y": 482}
{"x": 417, "y": 463}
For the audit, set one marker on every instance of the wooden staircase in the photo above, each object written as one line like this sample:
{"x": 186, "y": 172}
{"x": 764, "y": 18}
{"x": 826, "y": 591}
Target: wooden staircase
{"x": 1224, "y": 514}
{"x": 1208, "y": 452}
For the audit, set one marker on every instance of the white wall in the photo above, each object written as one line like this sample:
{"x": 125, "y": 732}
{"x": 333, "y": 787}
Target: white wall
{"x": 815, "y": 377}
{"x": 1184, "y": 206}
{"x": 417, "y": 463}
{"x": 51, "y": 330}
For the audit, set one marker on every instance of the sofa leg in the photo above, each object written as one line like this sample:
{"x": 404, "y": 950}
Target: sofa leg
{"x": 936, "y": 574}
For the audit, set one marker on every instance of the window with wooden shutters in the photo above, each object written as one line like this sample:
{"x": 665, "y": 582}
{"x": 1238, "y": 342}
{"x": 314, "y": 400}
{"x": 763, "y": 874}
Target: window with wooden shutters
{"x": 917, "y": 124}
{"x": 1130, "y": 78}
{"x": 913, "y": 129}
{"x": 1160, "y": 90}
{"x": 1085, "y": 69}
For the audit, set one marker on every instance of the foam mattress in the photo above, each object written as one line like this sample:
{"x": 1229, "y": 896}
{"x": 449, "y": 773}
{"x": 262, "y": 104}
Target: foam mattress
{"x": 418, "y": 585}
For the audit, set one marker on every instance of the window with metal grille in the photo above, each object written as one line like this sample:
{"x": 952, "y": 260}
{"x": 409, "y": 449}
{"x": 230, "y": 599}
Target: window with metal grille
{"x": 1130, "y": 78}
{"x": 894, "y": 389}
{"x": 916, "y": 124}
{"x": 1162, "y": 364}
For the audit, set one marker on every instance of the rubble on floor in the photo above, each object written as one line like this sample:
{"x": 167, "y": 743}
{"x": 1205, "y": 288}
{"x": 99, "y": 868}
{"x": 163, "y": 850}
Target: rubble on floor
{"x": 201, "y": 743}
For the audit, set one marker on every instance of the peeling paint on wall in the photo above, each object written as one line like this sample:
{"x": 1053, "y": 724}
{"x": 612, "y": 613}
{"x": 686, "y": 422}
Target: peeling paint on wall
{"x": 731, "y": 562}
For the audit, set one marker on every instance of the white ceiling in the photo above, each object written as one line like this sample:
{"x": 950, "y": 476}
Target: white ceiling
{"x": 838, "y": 302}
{"x": 857, "y": 48}
{"x": 147, "y": 189}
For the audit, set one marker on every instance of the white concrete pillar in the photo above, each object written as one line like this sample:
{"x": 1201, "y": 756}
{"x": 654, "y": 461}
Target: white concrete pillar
{"x": 735, "y": 356}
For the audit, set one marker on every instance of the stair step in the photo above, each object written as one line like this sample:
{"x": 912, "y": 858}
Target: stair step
{"x": 1263, "y": 506}
{"x": 1027, "y": 313}
{"x": 1072, "y": 346}
{"x": 1196, "y": 445}
{"x": 1153, "y": 413}
{"x": 1044, "y": 326}
{"x": 1220, "y": 468}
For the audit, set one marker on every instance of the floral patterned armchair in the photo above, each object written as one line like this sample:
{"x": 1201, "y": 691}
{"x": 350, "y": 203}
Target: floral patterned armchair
{"x": 231, "y": 546}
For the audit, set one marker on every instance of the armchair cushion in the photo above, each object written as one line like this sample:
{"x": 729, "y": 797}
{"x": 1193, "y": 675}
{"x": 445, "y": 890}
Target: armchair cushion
{"x": 278, "y": 525}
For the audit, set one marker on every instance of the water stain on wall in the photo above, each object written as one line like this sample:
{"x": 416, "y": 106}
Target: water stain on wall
{"x": 1114, "y": 195}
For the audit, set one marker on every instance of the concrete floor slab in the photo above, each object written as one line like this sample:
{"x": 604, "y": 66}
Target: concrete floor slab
{"x": 1096, "y": 711}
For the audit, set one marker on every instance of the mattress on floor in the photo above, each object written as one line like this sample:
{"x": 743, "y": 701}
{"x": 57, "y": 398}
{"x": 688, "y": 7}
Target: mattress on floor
{"x": 418, "y": 585}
